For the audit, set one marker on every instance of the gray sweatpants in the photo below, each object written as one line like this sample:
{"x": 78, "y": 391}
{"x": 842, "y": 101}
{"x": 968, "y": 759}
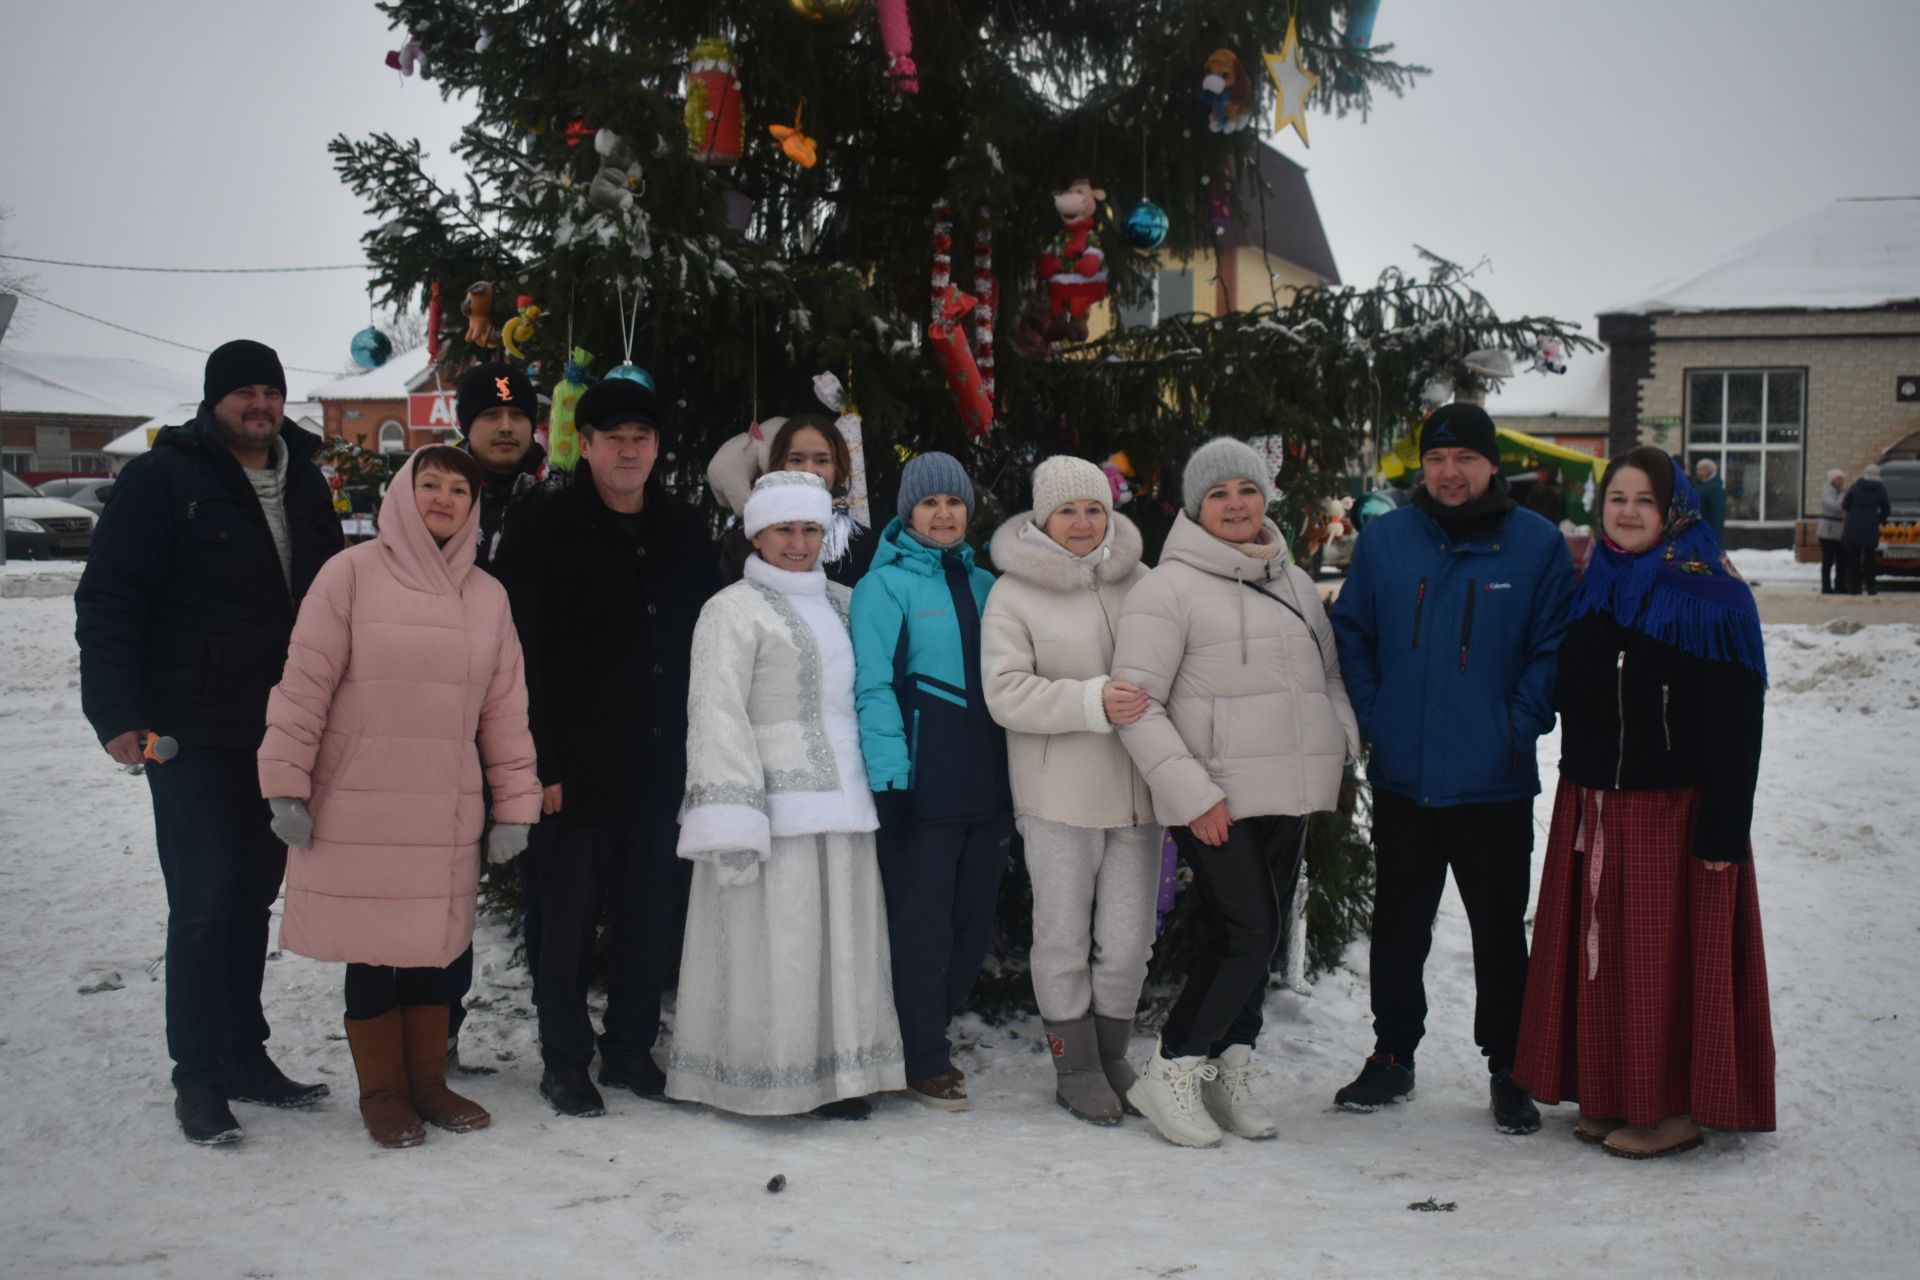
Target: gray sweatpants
{"x": 1094, "y": 891}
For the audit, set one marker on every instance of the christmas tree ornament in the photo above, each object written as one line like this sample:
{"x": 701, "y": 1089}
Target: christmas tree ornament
{"x": 794, "y": 143}
{"x": 371, "y": 348}
{"x": 1294, "y": 84}
{"x": 948, "y": 340}
{"x": 578, "y": 131}
{"x": 477, "y": 307}
{"x": 563, "y": 437}
{"x": 618, "y": 177}
{"x": 896, "y": 35}
{"x": 1227, "y": 91}
{"x": 433, "y": 323}
{"x": 1357, "y": 37}
{"x": 1219, "y": 210}
{"x": 409, "y": 58}
{"x": 1145, "y": 227}
{"x": 827, "y": 13}
{"x": 1073, "y": 264}
{"x": 715, "y": 126}
{"x": 838, "y": 401}
{"x": 628, "y": 371}
{"x": 1550, "y": 356}
{"x": 737, "y": 208}
{"x": 986, "y": 287}
{"x": 516, "y": 333}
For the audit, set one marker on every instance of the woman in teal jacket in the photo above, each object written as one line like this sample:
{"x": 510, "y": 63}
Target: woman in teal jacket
{"x": 935, "y": 759}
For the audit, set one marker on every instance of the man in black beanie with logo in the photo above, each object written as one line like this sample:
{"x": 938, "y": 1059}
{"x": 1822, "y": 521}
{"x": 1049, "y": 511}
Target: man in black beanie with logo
{"x": 199, "y": 565}
{"x": 1448, "y": 625}
{"x": 607, "y": 579}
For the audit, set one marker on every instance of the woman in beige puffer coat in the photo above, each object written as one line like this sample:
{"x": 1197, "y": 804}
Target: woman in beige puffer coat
{"x": 1246, "y": 733}
{"x": 1093, "y": 847}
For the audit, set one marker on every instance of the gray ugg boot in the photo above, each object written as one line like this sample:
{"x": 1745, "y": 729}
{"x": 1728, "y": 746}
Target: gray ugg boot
{"x": 1080, "y": 1085}
{"x": 1114, "y": 1035}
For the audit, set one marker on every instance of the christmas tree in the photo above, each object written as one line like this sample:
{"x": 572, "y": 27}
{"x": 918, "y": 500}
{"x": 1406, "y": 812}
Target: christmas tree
{"x": 738, "y": 195}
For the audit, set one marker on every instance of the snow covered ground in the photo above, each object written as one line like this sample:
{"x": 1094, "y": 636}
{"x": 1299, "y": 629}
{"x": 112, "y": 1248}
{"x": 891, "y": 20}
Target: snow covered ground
{"x": 96, "y": 1179}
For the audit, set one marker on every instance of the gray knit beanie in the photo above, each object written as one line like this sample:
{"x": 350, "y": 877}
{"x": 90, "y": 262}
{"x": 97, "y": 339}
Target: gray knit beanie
{"x": 932, "y": 473}
{"x": 1217, "y": 461}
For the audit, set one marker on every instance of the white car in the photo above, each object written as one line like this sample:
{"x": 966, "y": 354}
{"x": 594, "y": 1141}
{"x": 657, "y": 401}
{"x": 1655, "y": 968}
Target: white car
{"x": 42, "y": 528}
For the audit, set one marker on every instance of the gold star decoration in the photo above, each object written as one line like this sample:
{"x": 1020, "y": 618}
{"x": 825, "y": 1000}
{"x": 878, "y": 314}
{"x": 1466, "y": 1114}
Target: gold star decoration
{"x": 1294, "y": 83}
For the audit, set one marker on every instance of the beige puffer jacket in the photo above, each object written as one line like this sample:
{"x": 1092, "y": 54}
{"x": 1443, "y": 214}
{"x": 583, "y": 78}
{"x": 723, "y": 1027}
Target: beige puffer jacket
{"x": 1046, "y": 645}
{"x": 1247, "y": 702}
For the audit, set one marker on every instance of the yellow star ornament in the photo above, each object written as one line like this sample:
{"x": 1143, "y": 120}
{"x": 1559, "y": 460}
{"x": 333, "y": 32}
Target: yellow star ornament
{"x": 1293, "y": 82}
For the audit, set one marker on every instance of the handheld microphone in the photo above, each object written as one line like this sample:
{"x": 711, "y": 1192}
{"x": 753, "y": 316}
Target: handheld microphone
{"x": 160, "y": 748}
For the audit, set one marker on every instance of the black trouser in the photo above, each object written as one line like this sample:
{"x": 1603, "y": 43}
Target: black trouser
{"x": 374, "y": 989}
{"x": 1490, "y": 848}
{"x": 632, "y": 872}
{"x": 1833, "y": 566}
{"x": 223, "y": 866}
{"x": 1863, "y": 564}
{"x": 460, "y": 972}
{"x": 942, "y": 883}
{"x": 1246, "y": 892}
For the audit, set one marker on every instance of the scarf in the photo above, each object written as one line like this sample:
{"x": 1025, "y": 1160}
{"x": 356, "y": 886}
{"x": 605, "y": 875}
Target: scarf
{"x": 1680, "y": 591}
{"x": 1479, "y": 518}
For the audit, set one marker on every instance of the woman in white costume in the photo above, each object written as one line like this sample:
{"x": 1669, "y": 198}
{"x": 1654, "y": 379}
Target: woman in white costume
{"x": 785, "y": 1003}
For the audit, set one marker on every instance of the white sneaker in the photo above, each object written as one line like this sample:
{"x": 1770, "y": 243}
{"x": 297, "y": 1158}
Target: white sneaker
{"x": 1229, "y": 1095}
{"x": 1168, "y": 1093}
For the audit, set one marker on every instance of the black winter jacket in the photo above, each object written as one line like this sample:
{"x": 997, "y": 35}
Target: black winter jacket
{"x": 183, "y": 611}
{"x": 1638, "y": 715}
{"x": 1867, "y": 508}
{"x": 606, "y": 626}
{"x": 501, "y": 499}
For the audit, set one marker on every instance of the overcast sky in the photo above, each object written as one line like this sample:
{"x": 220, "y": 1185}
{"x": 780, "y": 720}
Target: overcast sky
{"x": 1585, "y": 151}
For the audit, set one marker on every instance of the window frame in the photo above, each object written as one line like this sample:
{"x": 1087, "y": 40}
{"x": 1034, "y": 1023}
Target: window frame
{"x": 1718, "y": 449}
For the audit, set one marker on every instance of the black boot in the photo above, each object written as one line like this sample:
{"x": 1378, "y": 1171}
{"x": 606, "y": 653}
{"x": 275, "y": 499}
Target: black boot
{"x": 204, "y": 1115}
{"x": 1384, "y": 1079}
{"x": 639, "y": 1074}
{"x": 843, "y": 1109}
{"x": 571, "y": 1092}
{"x": 257, "y": 1080}
{"x": 1513, "y": 1110}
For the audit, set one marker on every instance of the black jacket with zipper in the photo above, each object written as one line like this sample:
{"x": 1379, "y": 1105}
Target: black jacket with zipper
{"x": 1639, "y": 715}
{"x": 184, "y": 612}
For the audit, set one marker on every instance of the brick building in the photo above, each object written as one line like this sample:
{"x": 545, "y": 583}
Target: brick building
{"x": 397, "y": 408}
{"x": 59, "y": 412}
{"x": 1794, "y": 354}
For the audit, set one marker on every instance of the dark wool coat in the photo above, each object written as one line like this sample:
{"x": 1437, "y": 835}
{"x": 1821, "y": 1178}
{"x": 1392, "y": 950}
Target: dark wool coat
{"x": 184, "y": 611}
{"x": 1867, "y": 508}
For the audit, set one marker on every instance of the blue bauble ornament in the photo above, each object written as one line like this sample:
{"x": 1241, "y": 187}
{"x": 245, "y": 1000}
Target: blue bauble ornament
{"x": 371, "y": 348}
{"x": 632, "y": 373}
{"x": 1146, "y": 226}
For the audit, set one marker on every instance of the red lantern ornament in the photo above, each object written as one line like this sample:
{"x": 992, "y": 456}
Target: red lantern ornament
{"x": 715, "y": 127}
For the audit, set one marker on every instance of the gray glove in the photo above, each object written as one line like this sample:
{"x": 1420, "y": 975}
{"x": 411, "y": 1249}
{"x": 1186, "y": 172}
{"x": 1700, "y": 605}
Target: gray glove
{"x": 507, "y": 841}
{"x": 736, "y": 867}
{"x": 291, "y": 821}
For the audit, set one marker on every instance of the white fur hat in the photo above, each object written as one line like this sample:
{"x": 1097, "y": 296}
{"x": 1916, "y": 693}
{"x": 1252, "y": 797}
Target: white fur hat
{"x": 782, "y": 496}
{"x": 1065, "y": 478}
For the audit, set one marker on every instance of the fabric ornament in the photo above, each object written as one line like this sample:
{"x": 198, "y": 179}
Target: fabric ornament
{"x": 409, "y": 58}
{"x": 477, "y": 307}
{"x": 516, "y": 333}
{"x": 715, "y": 126}
{"x": 618, "y": 176}
{"x": 794, "y": 143}
{"x": 825, "y": 12}
{"x": 780, "y": 497}
{"x": 948, "y": 339}
{"x": 853, "y": 431}
{"x": 1294, "y": 84}
{"x": 1073, "y": 263}
{"x": 433, "y": 323}
{"x": 1227, "y": 92}
{"x": 1357, "y": 37}
{"x": 896, "y": 35}
{"x": 563, "y": 437}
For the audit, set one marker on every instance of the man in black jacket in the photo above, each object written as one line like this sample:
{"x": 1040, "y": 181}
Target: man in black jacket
{"x": 607, "y": 579}
{"x": 199, "y": 564}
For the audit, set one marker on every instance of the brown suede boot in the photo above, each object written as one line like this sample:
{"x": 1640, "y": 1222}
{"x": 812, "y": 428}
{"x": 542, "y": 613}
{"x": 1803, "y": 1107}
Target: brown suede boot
{"x": 424, "y": 1029}
{"x": 380, "y": 1062}
{"x": 1668, "y": 1138}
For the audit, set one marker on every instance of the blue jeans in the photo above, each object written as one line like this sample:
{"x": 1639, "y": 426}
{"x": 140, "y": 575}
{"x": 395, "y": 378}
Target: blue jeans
{"x": 223, "y": 866}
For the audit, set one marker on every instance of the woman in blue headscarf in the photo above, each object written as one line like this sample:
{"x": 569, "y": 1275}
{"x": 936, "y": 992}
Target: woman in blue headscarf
{"x": 1647, "y": 988}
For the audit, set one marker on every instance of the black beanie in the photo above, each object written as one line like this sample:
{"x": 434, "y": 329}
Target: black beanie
{"x": 488, "y": 386}
{"x": 242, "y": 363}
{"x": 614, "y": 402}
{"x": 1461, "y": 426}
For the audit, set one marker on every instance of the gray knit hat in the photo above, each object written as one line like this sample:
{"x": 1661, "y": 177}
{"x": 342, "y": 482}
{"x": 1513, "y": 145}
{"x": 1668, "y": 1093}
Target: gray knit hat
{"x": 1064, "y": 478}
{"x": 932, "y": 473}
{"x": 1217, "y": 461}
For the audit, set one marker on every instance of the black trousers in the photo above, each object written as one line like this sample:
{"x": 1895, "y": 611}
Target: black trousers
{"x": 1490, "y": 849}
{"x": 1862, "y": 566}
{"x": 1833, "y": 566}
{"x": 374, "y": 989}
{"x": 223, "y": 866}
{"x": 1246, "y": 892}
{"x": 632, "y": 873}
{"x": 942, "y": 882}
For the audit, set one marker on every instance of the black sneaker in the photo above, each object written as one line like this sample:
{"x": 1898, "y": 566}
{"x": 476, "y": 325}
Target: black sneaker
{"x": 571, "y": 1092}
{"x": 204, "y": 1115}
{"x": 843, "y": 1109}
{"x": 638, "y": 1074}
{"x": 1383, "y": 1079}
{"x": 1513, "y": 1109}
{"x": 258, "y": 1081}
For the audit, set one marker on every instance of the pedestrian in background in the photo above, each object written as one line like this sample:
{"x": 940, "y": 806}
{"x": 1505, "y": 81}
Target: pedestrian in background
{"x": 1867, "y": 507}
{"x": 1833, "y": 523}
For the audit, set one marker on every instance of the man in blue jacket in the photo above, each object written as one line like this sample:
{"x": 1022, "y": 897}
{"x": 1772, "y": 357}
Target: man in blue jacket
{"x": 1448, "y": 626}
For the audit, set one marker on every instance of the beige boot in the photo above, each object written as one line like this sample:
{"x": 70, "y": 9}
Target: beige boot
{"x": 1668, "y": 1138}
{"x": 1079, "y": 1084}
{"x": 1229, "y": 1095}
{"x": 380, "y": 1061}
{"x": 424, "y": 1029}
{"x": 1114, "y": 1035}
{"x": 1593, "y": 1130}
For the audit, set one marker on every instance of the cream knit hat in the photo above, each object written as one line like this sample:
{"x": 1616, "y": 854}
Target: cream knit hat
{"x": 1064, "y": 478}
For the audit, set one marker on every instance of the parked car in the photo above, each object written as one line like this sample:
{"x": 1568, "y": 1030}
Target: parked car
{"x": 43, "y": 528}
{"x": 90, "y": 492}
{"x": 1900, "y": 537}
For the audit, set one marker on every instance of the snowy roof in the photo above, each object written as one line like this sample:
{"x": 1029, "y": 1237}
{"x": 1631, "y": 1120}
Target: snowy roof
{"x": 1580, "y": 392}
{"x": 305, "y": 413}
{"x": 53, "y": 382}
{"x": 1848, "y": 254}
{"x": 391, "y": 381}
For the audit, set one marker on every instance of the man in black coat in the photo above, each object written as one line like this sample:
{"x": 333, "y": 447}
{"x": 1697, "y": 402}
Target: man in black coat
{"x": 607, "y": 579}
{"x": 199, "y": 564}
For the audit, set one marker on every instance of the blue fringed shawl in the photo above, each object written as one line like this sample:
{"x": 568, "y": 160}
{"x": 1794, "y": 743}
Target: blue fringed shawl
{"x": 1680, "y": 591}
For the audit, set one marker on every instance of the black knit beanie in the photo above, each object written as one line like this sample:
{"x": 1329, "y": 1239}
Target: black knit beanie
{"x": 1461, "y": 426}
{"x": 488, "y": 386}
{"x": 242, "y": 363}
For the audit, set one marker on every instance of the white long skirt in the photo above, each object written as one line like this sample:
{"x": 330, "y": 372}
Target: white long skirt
{"x": 786, "y": 988}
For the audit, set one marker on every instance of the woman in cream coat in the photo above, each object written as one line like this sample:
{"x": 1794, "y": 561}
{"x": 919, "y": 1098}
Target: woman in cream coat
{"x": 1246, "y": 732}
{"x": 786, "y": 1000}
{"x": 1093, "y": 848}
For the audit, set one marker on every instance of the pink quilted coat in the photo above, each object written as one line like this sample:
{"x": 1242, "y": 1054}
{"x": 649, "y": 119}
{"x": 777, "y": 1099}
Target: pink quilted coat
{"x": 403, "y": 657}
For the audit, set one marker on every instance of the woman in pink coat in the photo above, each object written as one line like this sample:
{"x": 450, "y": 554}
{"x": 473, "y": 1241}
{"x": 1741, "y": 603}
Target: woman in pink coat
{"x": 403, "y": 659}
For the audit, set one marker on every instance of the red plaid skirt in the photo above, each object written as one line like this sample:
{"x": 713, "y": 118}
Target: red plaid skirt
{"x": 1647, "y": 986}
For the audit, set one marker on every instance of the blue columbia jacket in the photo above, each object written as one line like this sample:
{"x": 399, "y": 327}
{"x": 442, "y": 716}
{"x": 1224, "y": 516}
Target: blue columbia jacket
{"x": 1448, "y": 653}
{"x": 924, "y": 725}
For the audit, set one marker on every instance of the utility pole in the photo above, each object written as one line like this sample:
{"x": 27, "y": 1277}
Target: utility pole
{"x": 8, "y": 301}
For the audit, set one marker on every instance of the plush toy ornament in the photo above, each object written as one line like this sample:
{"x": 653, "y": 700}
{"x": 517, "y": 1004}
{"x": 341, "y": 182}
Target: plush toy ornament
{"x": 409, "y": 58}
{"x": 477, "y": 307}
{"x": 948, "y": 338}
{"x": 516, "y": 333}
{"x": 1227, "y": 92}
{"x": 794, "y": 143}
{"x": 1074, "y": 265}
{"x": 618, "y": 176}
